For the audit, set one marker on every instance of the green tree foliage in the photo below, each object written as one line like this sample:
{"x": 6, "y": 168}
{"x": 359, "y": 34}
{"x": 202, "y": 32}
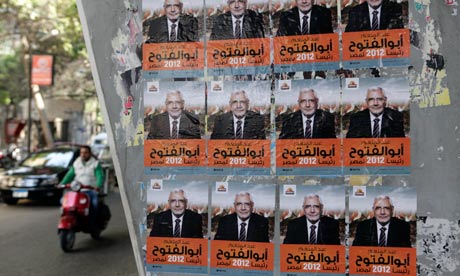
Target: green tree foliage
{"x": 36, "y": 26}
{"x": 13, "y": 84}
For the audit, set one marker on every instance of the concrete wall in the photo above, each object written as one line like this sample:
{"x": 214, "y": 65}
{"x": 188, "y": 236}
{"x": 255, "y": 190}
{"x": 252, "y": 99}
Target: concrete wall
{"x": 435, "y": 131}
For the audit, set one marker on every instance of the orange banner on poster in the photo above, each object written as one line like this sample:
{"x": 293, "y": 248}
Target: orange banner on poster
{"x": 174, "y": 153}
{"x": 376, "y": 152}
{"x": 42, "y": 70}
{"x": 307, "y": 152}
{"x": 383, "y": 260}
{"x": 376, "y": 44}
{"x": 306, "y": 49}
{"x": 239, "y": 153}
{"x": 177, "y": 251}
{"x": 173, "y": 56}
{"x": 238, "y": 53}
{"x": 311, "y": 258}
{"x": 242, "y": 255}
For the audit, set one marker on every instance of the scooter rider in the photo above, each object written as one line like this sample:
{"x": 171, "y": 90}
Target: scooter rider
{"x": 87, "y": 170}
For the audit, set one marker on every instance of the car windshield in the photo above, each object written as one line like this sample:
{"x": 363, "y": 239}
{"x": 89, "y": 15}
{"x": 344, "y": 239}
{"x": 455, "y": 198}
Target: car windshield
{"x": 49, "y": 159}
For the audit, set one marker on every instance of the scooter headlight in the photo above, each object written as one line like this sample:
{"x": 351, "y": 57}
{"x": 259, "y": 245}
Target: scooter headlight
{"x": 75, "y": 186}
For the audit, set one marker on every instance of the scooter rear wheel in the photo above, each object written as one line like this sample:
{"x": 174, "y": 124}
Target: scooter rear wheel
{"x": 96, "y": 233}
{"x": 67, "y": 239}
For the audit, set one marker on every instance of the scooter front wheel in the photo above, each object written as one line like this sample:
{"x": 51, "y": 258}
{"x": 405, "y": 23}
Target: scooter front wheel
{"x": 67, "y": 239}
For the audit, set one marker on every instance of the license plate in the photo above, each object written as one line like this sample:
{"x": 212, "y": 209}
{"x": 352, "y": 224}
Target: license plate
{"x": 20, "y": 194}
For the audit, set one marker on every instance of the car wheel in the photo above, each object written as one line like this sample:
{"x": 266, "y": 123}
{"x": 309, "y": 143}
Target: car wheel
{"x": 11, "y": 201}
{"x": 67, "y": 239}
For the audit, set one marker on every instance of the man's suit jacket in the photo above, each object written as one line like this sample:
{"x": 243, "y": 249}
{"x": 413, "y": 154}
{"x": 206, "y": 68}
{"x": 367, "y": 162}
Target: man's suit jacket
{"x": 327, "y": 232}
{"x": 187, "y": 30}
{"x": 191, "y": 225}
{"x": 254, "y": 126}
{"x": 398, "y": 233}
{"x": 257, "y": 231}
{"x": 189, "y": 126}
{"x": 320, "y": 22}
{"x": 252, "y": 26}
{"x": 323, "y": 125}
{"x": 392, "y": 124}
{"x": 390, "y": 17}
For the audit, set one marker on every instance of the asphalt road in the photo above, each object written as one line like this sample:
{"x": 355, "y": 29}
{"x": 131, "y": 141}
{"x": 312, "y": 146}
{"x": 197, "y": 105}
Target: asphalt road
{"x": 29, "y": 244}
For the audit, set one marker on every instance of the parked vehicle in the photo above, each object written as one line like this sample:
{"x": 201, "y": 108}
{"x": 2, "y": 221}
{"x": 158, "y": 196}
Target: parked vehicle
{"x": 37, "y": 176}
{"x": 6, "y": 159}
{"x": 98, "y": 143}
{"x": 75, "y": 215}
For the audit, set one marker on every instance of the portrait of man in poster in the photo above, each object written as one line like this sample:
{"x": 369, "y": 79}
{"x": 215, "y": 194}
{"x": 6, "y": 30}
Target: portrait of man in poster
{"x": 244, "y": 224}
{"x": 177, "y": 221}
{"x": 175, "y": 123}
{"x": 238, "y": 23}
{"x": 377, "y": 120}
{"x": 313, "y": 227}
{"x": 305, "y": 18}
{"x": 174, "y": 26}
{"x": 383, "y": 229}
{"x": 239, "y": 122}
{"x": 309, "y": 121}
{"x": 375, "y": 15}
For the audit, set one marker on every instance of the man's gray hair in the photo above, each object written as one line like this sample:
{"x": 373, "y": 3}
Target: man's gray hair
{"x": 308, "y": 90}
{"x": 244, "y": 193}
{"x": 383, "y": 197}
{"x": 376, "y": 88}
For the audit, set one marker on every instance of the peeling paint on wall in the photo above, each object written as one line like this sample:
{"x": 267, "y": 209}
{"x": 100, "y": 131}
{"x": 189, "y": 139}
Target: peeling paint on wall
{"x": 437, "y": 246}
{"x": 127, "y": 60}
{"x": 428, "y": 84}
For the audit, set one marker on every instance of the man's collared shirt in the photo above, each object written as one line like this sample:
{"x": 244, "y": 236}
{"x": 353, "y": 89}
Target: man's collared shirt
{"x": 246, "y": 226}
{"x": 301, "y": 15}
{"x": 176, "y": 28}
{"x": 171, "y": 120}
{"x": 373, "y": 117}
{"x": 181, "y": 218}
{"x": 304, "y": 123}
{"x": 387, "y": 227}
{"x": 371, "y": 15}
{"x": 241, "y": 24}
{"x": 309, "y": 224}
{"x": 235, "y": 124}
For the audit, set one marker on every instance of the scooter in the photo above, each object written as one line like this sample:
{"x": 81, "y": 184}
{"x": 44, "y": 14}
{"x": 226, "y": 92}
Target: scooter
{"x": 75, "y": 215}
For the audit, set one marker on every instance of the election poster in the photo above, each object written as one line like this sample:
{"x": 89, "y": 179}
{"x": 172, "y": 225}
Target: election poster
{"x": 375, "y": 117}
{"x": 177, "y": 216}
{"x": 242, "y": 228}
{"x": 238, "y": 127}
{"x": 305, "y": 36}
{"x": 173, "y": 39}
{"x": 307, "y": 122}
{"x": 42, "y": 70}
{"x": 382, "y": 230}
{"x": 312, "y": 229}
{"x": 375, "y": 34}
{"x": 174, "y": 119}
{"x": 237, "y": 35}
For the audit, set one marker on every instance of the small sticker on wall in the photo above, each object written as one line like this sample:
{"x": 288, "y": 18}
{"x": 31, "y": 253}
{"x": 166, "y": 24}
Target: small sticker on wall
{"x": 359, "y": 191}
{"x": 285, "y": 85}
{"x": 222, "y": 187}
{"x": 156, "y": 184}
{"x": 153, "y": 86}
{"x": 217, "y": 86}
{"x": 352, "y": 83}
{"x": 289, "y": 190}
